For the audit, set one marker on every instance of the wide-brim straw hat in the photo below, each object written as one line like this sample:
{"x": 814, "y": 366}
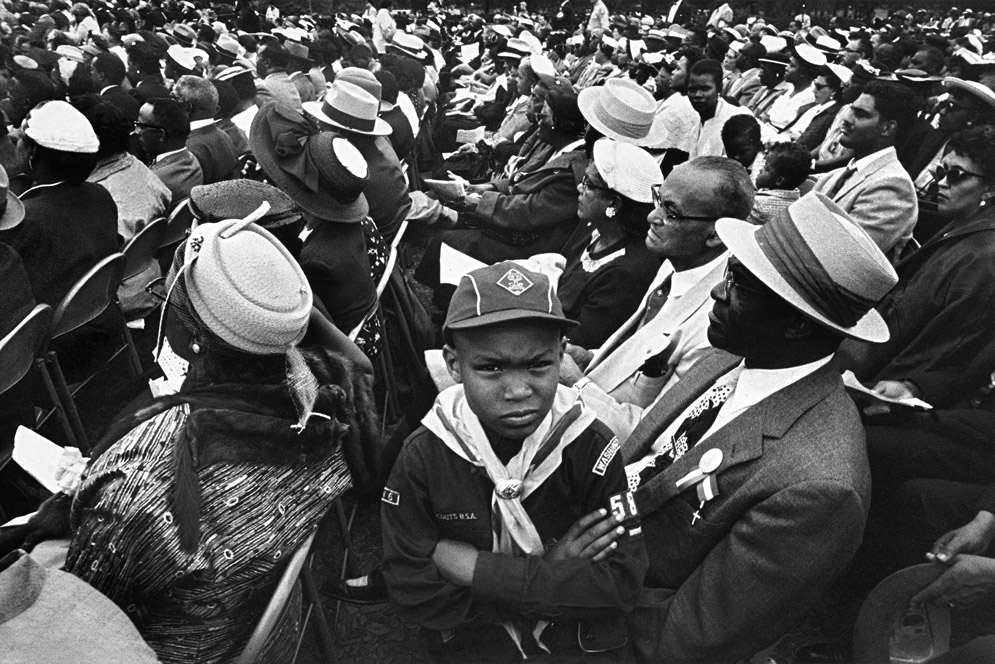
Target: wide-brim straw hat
{"x": 409, "y": 45}
{"x": 623, "y": 110}
{"x": 973, "y": 88}
{"x": 367, "y": 80}
{"x": 348, "y": 106}
{"x": 13, "y": 213}
{"x": 819, "y": 261}
{"x": 330, "y": 196}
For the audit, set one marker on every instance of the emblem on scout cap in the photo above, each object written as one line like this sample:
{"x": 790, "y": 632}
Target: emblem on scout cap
{"x": 514, "y": 282}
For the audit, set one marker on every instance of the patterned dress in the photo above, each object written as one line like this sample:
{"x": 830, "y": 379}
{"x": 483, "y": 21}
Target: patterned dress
{"x": 198, "y": 607}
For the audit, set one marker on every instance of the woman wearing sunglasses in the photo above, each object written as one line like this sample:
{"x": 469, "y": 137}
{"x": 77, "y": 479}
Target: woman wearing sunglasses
{"x": 941, "y": 313}
{"x": 607, "y": 275}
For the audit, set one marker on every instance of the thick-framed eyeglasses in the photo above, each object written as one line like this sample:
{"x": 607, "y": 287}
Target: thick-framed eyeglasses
{"x": 950, "y": 106}
{"x": 669, "y": 210}
{"x": 587, "y": 183}
{"x": 952, "y": 175}
{"x": 144, "y": 125}
{"x": 742, "y": 283}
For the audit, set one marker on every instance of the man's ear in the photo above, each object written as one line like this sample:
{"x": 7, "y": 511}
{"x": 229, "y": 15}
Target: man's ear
{"x": 889, "y": 128}
{"x": 713, "y": 240}
{"x": 779, "y": 181}
{"x": 451, "y": 356}
{"x": 563, "y": 347}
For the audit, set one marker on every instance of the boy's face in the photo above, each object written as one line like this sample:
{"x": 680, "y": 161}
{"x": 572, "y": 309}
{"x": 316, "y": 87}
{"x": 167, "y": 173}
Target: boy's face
{"x": 509, "y": 372}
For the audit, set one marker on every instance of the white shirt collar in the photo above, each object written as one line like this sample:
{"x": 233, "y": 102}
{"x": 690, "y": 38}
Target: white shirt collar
{"x": 864, "y": 162}
{"x": 106, "y": 88}
{"x": 755, "y": 385}
{"x": 159, "y": 157}
{"x": 682, "y": 281}
{"x": 567, "y": 148}
{"x": 197, "y": 124}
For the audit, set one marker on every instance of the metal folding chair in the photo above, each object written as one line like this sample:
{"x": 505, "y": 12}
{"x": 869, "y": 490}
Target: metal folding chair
{"x": 177, "y": 225}
{"x": 90, "y": 297}
{"x": 298, "y": 567}
{"x": 20, "y": 351}
{"x": 143, "y": 247}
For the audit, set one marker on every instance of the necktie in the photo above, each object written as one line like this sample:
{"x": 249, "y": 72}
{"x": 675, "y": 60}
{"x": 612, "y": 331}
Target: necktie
{"x": 655, "y": 301}
{"x": 844, "y": 176}
{"x": 698, "y": 421}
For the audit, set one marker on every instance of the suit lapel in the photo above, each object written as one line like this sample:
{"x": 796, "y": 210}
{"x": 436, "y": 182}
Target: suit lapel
{"x": 712, "y": 365}
{"x": 741, "y": 439}
{"x": 648, "y": 340}
{"x": 861, "y": 175}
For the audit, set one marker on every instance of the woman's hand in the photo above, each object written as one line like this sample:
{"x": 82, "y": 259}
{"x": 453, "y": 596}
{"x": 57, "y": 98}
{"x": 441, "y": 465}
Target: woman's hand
{"x": 592, "y": 537}
{"x": 968, "y": 579}
{"x": 892, "y": 389}
{"x": 455, "y": 561}
{"x": 974, "y": 537}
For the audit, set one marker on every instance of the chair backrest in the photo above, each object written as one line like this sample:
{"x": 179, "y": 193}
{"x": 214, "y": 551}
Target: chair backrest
{"x": 177, "y": 224}
{"x": 90, "y": 296}
{"x": 277, "y": 603}
{"x": 19, "y": 348}
{"x": 141, "y": 249}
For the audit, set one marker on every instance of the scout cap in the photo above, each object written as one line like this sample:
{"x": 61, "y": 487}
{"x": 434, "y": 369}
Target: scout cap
{"x": 502, "y": 292}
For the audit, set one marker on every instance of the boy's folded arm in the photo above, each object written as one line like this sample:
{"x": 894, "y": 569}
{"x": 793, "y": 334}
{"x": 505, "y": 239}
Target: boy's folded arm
{"x": 409, "y": 539}
{"x": 571, "y": 589}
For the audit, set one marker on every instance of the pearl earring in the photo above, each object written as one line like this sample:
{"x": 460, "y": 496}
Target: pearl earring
{"x": 195, "y": 347}
{"x": 610, "y": 212}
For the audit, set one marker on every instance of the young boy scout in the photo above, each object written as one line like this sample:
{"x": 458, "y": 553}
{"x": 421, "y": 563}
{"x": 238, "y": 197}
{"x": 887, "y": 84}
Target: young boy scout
{"x": 497, "y": 535}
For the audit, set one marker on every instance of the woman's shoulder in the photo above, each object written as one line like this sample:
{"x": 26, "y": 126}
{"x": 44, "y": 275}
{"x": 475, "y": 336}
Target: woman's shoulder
{"x": 147, "y": 442}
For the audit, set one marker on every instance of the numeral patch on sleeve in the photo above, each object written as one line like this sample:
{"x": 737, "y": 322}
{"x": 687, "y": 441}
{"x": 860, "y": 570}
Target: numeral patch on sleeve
{"x": 391, "y": 497}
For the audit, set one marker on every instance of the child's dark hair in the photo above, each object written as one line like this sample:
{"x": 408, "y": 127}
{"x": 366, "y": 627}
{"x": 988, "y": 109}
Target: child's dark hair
{"x": 792, "y": 162}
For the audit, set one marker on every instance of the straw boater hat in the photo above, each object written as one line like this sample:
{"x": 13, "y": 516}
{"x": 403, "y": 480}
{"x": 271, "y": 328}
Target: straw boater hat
{"x": 321, "y": 171}
{"x": 627, "y": 169}
{"x": 515, "y": 48}
{"x": 350, "y": 107}
{"x": 623, "y": 110}
{"x": 820, "y": 262}
{"x": 409, "y": 45}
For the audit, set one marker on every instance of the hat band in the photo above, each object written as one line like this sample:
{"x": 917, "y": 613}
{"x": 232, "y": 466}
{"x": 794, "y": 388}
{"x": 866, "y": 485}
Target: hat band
{"x": 794, "y": 260}
{"x": 347, "y": 120}
{"x": 623, "y": 127}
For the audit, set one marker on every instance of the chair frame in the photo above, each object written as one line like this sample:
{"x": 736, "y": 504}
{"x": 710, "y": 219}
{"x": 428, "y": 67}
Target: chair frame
{"x": 116, "y": 263}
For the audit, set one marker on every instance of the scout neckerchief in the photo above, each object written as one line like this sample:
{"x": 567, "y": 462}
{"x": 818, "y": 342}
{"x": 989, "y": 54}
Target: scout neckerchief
{"x": 452, "y": 420}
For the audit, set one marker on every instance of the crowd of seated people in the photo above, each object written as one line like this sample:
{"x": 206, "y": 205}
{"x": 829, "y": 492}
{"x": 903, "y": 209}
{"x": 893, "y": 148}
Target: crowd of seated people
{"x": 656, "y": 339}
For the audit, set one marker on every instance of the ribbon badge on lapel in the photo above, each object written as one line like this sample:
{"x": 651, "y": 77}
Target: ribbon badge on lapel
{"x": 704, "y": 479}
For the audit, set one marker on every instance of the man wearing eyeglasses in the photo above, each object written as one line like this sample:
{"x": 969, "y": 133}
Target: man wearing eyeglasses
{"x": 750, "y": 475}
{"x": 162, "y": 130}
{"x": 667, "y": 333}
{"x": 874, "y": 188}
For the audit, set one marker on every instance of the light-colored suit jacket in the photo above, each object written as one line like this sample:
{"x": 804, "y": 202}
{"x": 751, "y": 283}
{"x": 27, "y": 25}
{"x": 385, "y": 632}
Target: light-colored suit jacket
{"x": 277, "y": 87}
{"x": 881, "y": 198}
{"x": 744, "y": 87}
{"x": 619, "y": 391}
{"x": 793, "y": 493}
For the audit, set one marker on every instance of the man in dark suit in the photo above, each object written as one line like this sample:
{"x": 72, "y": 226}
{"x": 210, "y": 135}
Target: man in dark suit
{"x": 163, "y": 128}
{"x": 213, "y": 148}
{"x": 751, "y": 476}
{"x": 108, "y": 72}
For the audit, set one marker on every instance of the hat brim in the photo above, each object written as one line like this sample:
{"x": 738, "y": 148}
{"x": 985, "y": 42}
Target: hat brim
{"x": 976, "y": 90}
{"x": 885, "y": 606}
{"x": 320, "y": 204}
{"x": 14, "y": 212}
{"x": 496, "y": 317}
{"x": 587, "y": 99}
{"x": 740, "y": 238}
{"x": 313, "y": 108}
